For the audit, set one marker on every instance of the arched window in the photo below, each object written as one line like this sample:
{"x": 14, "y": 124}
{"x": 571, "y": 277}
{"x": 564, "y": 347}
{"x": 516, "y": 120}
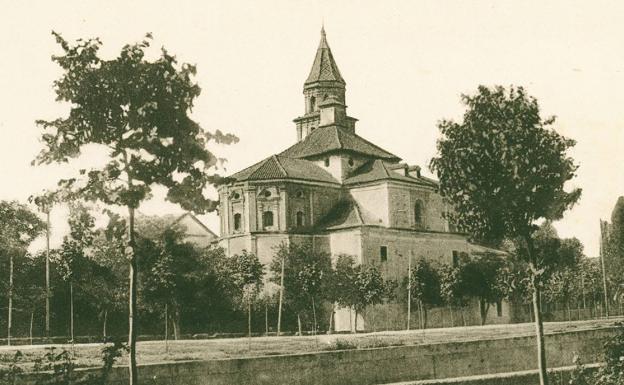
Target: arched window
{"x": 418, "y": 213}
{"x": 312, "y": 103}
{"x": 237, "y": 221}
{"x": 300, "y": 218}
{"x": 267, "y": 218}
{"x": 326, "y": 162}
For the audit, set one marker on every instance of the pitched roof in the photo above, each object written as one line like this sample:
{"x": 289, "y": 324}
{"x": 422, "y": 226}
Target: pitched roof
{"x": 324, "y": 67}
{"x": 375, "y": 170}
{"x": 281, "y": 167}
{"x": 332, "y": 138}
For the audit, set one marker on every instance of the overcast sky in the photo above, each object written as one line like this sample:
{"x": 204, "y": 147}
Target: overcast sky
{"x": 405, "y": 63}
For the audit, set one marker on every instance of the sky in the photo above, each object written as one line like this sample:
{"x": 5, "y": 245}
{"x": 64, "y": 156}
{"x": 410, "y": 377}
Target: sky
{"x": 406, "y": 63}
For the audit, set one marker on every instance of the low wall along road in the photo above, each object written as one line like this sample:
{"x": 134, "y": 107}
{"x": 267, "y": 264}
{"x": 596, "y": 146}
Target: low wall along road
{"x": 379, "y": 365}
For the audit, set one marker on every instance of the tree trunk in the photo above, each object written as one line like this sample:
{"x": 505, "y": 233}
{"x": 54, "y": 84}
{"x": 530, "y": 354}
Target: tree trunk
{"x": 176, "y": 323}
{"x": 425, "y": 317}
{"x": 10, "y": 316}
{"x": 266, "y": 318}
{"x": 132, "y": 302}
{"x": 314, "y": 315}
{"x": 539, "y": 326}
{"x": 71, "y": 312}
{"x": 167, "y": 328}
{"x": 249, "y": 322}
{"x": 299, "y": 324}
{"x": 104, "y": 324}
{"x": 484, "y": 307}
{"x": 331, "y": 321}
{"x": 569, "y": 311}
{"x": 281, "y": 300}
{"x": 355, "y": 323}
{"x": 47, "y": 275}
{"x": 452, "y": 317}
{"x": 461, "y": 310}
{"x": 32, "y": 315}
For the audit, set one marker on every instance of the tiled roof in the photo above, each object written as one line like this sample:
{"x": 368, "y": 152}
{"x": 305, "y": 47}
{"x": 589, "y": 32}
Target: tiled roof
{"x": 281, "y": 167}
{"x": 375, "y": 170}
{"x": 333, "y": 138}
{"x": 324, "y": 67}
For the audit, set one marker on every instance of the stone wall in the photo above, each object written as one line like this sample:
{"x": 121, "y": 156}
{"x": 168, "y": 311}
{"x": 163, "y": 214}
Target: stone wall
{"x": 379, "y": 365}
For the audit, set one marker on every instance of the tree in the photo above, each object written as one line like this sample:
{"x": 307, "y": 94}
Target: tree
{"x": 451, "y": 289}
{"x": 306, "y": 277}
{"x": 246, "y": 273}
{"x": 45, "y": 202}
{"x": 19, "y": 226}
{"x": 504, "y": 168}
{"x": 357, "y": 286}
{"x": 138, "y": 110}
{"x": 614, "y": 248}
{"x": 424, "y": 286}
{"x": 72, "y": 260}
{"x": 479, "y": 279}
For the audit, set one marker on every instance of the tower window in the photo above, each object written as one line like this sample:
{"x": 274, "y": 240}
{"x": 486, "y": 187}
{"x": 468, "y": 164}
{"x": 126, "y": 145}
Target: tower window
{"x": 326, "y": 162}
{"x": 418, "y": 213}
{"x": 312, "y": 103}
{"x": 236, "y": 195}
{"x": 267, "y": 218}
{"x": 383, "y": 253}
{"x": 237, "y": 221}
{"x": 300, "y": 218}
{"x": 299, "y": 194}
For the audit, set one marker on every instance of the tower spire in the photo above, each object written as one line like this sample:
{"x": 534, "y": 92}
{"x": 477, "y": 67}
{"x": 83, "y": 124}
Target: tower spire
{"x": 324, "y": 67}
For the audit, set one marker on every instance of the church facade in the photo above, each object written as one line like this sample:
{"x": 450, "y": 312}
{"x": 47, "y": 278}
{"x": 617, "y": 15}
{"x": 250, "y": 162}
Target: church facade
{"x": 339, "y": 192}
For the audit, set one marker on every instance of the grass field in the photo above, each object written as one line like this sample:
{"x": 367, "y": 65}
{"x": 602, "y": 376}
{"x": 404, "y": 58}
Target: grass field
{"x": 88, "y": 355}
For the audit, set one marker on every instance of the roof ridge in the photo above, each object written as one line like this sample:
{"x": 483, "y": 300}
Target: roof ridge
{"x": 340, "y": 145}
{"x": 282, "y": 169}
{"x": 383, "y": 167}
{"x": 357, "y": 211}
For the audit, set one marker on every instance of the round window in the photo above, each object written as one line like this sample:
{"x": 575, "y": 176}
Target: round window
{"x": 299, "y": 194}
{"x": 236, "y": 196}
{"x": 267, "y": 193}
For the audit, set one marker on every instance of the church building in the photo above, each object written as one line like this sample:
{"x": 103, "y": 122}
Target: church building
{"x": 339, "y": 192}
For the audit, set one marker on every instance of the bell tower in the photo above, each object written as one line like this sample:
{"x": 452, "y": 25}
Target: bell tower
{"x": 323, "y": 88}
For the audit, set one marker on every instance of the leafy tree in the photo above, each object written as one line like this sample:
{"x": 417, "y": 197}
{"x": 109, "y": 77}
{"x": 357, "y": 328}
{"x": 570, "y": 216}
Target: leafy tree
{"x": 246, "y": 273}
{"x": 424, "y": 286}
{"x": 19, "y": 226}
{"x": 45, "y": 202}
{"x": 479, "y": 277}
{"x": 72, "y": 257}
{"x": 138, "y": 110}
{"x": 357, "y": 286}
{"x": 614, "y": 245}
{"x": 450, "y": 289}
{"x": 504, "y": 168}
{"x": 306, "y": 278}
{"x": 29, "y": 293}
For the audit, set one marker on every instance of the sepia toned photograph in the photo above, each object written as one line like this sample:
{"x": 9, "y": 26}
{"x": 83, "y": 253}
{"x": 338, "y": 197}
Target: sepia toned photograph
{"x": 319, "y": 192}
